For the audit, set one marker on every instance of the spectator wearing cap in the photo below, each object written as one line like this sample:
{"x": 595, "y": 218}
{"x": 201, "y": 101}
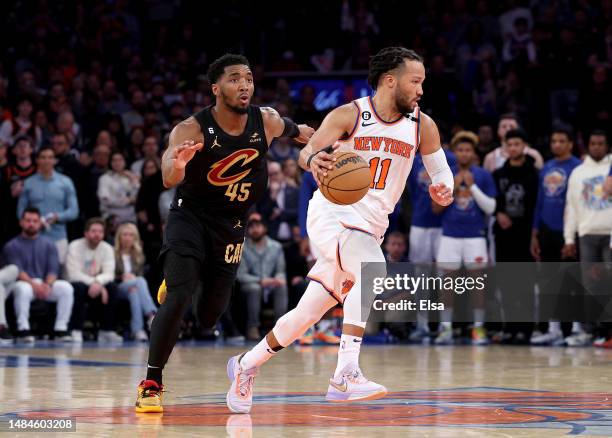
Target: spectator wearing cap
{"x": 54, "y": 195}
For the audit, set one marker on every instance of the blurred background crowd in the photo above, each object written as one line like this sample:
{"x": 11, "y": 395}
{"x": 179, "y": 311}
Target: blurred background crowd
{"x": 89, "y": 92}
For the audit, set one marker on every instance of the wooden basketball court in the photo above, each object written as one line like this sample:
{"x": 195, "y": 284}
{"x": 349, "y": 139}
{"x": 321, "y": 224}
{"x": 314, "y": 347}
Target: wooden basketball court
{"x": 434, "y": 391}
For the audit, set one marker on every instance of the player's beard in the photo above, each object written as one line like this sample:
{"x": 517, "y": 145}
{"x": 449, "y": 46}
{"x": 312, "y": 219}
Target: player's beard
{"x": 403, "y": 103}
{"x": 234, "y": 108}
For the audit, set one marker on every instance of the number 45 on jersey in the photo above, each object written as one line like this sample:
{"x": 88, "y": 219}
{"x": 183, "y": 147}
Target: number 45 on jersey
{"x": 238, "y": 192}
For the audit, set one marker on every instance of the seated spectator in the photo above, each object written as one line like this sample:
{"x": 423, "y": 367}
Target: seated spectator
{"x": 129, "y": 270}
{"x": 90, "y": 266}
{"x": 117, "y": 190}
{"x": 38, "y": 263}
{"x": 8, "y": 276}
{"x": 55, "y": 196}
{"x": 279, "y": 205}
{"x": 261, "y": 273}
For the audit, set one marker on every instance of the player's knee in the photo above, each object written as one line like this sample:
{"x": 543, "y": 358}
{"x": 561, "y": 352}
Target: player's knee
{"x": 181, "y": 273}
{"x": 309, "y": 315}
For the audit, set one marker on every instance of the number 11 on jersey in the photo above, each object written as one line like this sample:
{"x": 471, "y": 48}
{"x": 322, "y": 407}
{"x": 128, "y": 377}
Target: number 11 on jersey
{"x": 382, "y": 179}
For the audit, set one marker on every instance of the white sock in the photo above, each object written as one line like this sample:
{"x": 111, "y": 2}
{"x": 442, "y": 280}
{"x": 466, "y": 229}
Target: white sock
{"x": 577, "y": 327}
{"x": 258, "y": 355}
{"x": 554, "y": 327}
{"x": 348, "y": 353}
{"x": 479, "y": 317}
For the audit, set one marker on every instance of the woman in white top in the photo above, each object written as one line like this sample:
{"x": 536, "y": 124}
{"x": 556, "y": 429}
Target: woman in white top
{"x": 117, "y": 190}
{"x": 129, "y": 269}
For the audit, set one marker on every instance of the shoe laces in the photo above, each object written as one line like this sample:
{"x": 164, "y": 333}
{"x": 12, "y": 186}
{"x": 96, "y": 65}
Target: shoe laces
{"x": 152, "y": 390}
{"x": 245, "y": 381}
{"x": 356, "y": 376}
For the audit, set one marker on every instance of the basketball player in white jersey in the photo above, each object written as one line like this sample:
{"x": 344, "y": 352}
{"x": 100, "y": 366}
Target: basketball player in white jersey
{"x": 386, "y": 130}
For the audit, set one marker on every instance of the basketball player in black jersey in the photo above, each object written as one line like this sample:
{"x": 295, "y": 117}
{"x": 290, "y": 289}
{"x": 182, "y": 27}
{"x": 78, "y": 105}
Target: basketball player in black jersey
{"x": 217, "y": 159}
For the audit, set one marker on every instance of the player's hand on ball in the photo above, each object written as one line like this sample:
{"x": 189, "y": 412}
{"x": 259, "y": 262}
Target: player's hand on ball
{"x": 184, "y": 152}
{"x": 305, "y": 134}
{"x": 321, "y": 163}
{"x": 441, "y": 194}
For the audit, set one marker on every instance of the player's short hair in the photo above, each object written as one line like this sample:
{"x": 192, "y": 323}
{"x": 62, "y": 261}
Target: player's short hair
{"x": 217, "y": 67}
{"x": 95, "y": 220}
{"x": 388, "y": 59}
{"x": 517, "y": 133}
{"x": 465, "y": 137}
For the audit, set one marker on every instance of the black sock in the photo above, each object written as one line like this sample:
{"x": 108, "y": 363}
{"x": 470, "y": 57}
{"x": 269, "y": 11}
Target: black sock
{"x": 155, "y": 374}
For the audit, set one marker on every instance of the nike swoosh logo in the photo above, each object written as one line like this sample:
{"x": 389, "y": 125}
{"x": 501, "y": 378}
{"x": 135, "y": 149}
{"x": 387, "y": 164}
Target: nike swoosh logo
{"x": 364, "y": 124}
{"x": 356, "y": 340}
{"x": 341, "y": 388}
{"x": 270, "y": 351}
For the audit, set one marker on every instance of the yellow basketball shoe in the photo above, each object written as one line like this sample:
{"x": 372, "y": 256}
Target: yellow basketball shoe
{"x": 161, "y": 292}
{"x": 149, "y": 397}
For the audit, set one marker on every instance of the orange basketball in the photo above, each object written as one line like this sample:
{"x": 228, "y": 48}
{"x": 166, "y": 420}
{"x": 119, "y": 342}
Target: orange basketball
{"x": 348, "y": 181}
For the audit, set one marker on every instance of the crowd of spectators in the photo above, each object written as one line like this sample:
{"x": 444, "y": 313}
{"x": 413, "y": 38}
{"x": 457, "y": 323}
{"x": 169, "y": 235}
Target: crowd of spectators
{"x": 90, "y": 90}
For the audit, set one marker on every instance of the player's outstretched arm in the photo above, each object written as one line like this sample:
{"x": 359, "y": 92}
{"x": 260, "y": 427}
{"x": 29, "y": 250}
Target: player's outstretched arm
{"x": 185, "y": 140}
{"x": 434, "y": 159}
{"x": 277, "y": 126}
{"x": 337, "y": 123}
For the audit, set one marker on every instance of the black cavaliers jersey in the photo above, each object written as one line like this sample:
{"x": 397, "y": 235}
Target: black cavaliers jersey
{"x": 230, "y": 173}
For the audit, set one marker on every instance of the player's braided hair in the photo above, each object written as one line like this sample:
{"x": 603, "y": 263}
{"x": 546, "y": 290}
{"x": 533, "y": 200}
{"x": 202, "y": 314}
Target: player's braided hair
{"x": 388, "y": 59}
{"x": 217, "y": 67}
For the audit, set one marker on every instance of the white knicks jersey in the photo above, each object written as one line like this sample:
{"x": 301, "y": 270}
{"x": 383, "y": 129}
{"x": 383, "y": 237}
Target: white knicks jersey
{"x": 389, "y": 148}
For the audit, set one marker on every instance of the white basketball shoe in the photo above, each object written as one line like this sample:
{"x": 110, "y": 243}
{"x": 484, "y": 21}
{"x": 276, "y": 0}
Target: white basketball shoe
{"x": 352, "y": 386}
{"x": 240, "y": 395}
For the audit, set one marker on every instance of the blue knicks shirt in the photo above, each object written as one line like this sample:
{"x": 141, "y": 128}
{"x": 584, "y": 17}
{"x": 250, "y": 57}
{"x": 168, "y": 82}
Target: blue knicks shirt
{"x": 464, "y": 218}
{"x": 418, "y": 183}
{"x": 552, "y": 188}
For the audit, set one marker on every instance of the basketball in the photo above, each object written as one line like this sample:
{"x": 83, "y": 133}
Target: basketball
{"x": 348, "y": 181}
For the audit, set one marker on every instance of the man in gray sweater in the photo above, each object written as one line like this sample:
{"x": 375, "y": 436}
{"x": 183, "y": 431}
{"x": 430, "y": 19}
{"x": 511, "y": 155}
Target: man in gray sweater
{"x": 38, "y": 263}
{"x": 261, "y": 274}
